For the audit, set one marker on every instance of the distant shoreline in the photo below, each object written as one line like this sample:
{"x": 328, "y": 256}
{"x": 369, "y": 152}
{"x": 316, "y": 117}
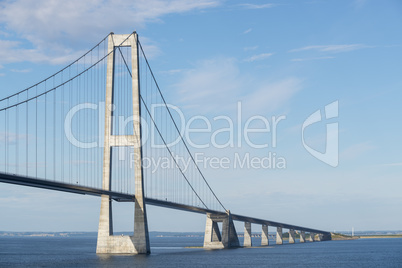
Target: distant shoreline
{"x": 380, "y": 236}
{"x": 335, "y": 236}
{"x": 338, "y": 236}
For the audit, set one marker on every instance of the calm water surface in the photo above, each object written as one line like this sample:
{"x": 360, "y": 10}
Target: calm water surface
{"x": 172, "y": 252}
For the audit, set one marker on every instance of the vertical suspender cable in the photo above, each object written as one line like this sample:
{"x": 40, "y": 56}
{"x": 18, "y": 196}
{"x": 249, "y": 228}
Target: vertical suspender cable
{"x": 17, "y": 136}
{"x": 54, "y": 132}
{"x": 36, "y": 134}
{"x": 26, "y": 138}
{"x": 45, "y": 132}
{"x": 6, "y": 129}
{"x": 62, "y": 104}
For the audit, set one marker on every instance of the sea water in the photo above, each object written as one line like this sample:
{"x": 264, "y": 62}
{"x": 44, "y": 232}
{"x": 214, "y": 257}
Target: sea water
{"x": 186, "y": 251}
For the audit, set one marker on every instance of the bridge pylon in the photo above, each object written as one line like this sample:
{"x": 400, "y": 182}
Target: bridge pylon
{"x": 107, "y": 242}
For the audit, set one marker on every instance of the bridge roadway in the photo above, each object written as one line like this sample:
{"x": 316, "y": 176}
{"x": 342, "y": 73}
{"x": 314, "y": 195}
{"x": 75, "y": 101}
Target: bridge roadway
{"x": 121, "y": 197}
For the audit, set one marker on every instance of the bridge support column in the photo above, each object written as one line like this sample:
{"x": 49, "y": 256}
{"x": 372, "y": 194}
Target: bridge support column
{"x": 216, "y": 234}
{"x": 319, "y": 237}
{"x": 279, "y": 240}
{"x": 291, "y": 236}
{"x": 247, "y": 235}
{"x": 233, "y": 238}
{"x": 107, "y": 243}
{"x": 312, "y": 235}
{"x": 302, "y": 236}
{"x": 326, "y": 237}
{"x": 213, "y": 239}
{"x": 264, "y": 236}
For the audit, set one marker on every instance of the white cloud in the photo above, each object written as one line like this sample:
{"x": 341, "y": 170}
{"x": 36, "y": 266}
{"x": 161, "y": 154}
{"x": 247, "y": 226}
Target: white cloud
{"x": 209, "y": 81}
{"x": 250, "y": 48}
{"x": 262, "y": 56}
{"x": 12, "y": 138}
{"x": 315, "y": 58}
{"x": 254, "y": 6}
{"x": 247, "y": 31}
{"x": 392, "y": 165}
{"x": 270, "y": 96}
{"x": 172, "y": 72}
{"x": 60, "y": 27}
{"x": 2, "y": 74}
{"x": 356, "y": 150}
{"x": 150, "y": 48}
{"x": 331, "y": 48}
{"x": 216, "y": 85}
{"x": 359, "y": 3}
{"x": 21, "y": 70}
{"x": 12, "y": 51}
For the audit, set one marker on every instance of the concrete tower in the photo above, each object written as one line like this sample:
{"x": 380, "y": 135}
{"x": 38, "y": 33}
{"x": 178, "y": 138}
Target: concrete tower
{"x": 107, "y": 243}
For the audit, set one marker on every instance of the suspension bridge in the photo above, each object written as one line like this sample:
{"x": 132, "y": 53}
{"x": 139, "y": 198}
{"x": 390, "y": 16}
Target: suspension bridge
{"x": 89, "y": 129}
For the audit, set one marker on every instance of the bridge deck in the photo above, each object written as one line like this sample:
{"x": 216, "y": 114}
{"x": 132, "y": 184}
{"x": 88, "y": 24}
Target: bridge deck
{"x": 235, "y": 217}
{"x": 121, "y": 197}
{"x": 64, "y": 187}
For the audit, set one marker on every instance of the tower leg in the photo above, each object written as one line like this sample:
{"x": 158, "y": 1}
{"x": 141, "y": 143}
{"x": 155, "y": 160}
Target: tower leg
{"x": 233, "y": 238}
{"x": 107, "y": 243}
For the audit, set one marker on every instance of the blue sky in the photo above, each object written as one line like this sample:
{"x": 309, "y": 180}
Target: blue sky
{"x": 279, "y": 58}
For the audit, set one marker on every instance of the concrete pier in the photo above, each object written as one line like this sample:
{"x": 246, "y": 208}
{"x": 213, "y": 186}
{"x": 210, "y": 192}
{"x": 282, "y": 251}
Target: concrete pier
{"x": 264, "y": 236}
{"x": 326, "y": 237}
{"x": 319, "y": 237}
{"x": 216, "y": 234}
{"x": 302, "y": 237}
{"x": 279, "y": 240}
{"x": 213, "y": 238}
{"x": 247, "y": 235}
{"x": 291, "y": 236}
{"x": 312, "y": 235}
{"x": 107, "y": 243}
